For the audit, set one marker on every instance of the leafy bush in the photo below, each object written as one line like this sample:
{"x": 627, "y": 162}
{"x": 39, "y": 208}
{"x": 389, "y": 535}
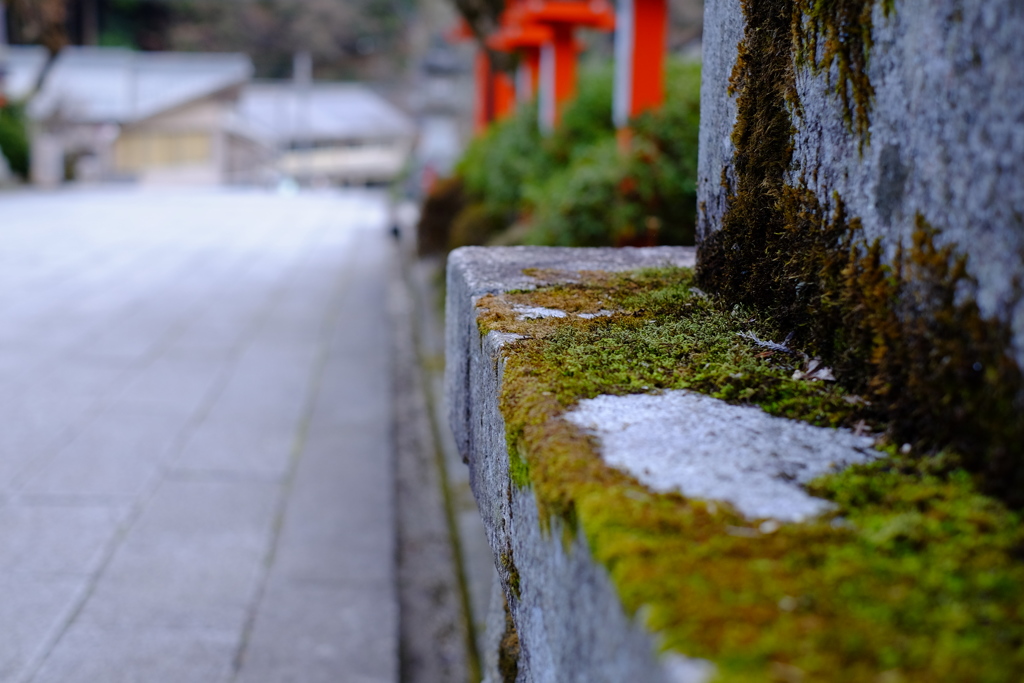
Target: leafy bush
{"x": 497, "y": 164}
{"x": 663, "y": 165}
{"x": 575, "y": 187}
{"x": 587, "y": 119}
{"x": 14, "y": 138}
{"x": 644, "y": 197}
{"x": 579, "y": 206}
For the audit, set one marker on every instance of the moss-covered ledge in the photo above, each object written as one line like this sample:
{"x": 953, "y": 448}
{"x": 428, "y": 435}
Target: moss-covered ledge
{"x": 905, "y": 573}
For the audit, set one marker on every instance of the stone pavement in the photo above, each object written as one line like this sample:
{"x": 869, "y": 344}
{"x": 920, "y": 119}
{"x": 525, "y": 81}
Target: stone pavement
{"x": 195, "y": 458}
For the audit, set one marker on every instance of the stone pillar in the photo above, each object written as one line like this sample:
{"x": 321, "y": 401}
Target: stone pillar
{"x": 860, "y": 181}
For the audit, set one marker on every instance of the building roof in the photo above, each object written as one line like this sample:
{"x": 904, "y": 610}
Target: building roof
{"x": 288, "y": 112}
{"x": 95, "y": 84}
{"x": 22, "y": 65}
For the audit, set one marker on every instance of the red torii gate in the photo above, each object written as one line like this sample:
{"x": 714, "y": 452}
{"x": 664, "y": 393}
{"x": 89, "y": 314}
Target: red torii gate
{"x": 542, "y": 32}
{"x": 558, "y": 56}
{"x": 527, "y": 40}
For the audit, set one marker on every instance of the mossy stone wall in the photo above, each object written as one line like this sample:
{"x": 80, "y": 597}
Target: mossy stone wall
{"x": 860, "y": 183}
{"x": 944, "y": 136}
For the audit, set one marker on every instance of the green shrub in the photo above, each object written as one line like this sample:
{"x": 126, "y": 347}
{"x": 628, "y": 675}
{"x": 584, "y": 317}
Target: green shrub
{"x": 574, "y": 187}
{"x": 579, "y": 206}
{"x": 663, "y": 165}
{"x": 14, "y": 138}
{"x": 587, "y": 119}
{"x": 498, "y": 164}
{"x": 645, "y": 197}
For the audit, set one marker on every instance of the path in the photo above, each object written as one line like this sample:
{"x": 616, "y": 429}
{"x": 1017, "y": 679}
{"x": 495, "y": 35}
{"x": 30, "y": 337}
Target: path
{"x": 195, "y": 480}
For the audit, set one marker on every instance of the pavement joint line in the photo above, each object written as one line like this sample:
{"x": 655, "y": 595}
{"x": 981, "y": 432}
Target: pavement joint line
{"x": 34, "y": 664}
{"x": 328, "y": 327}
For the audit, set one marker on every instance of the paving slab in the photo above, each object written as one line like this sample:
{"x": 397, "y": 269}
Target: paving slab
{"x": 309, "y": 632}
{"x": 32, "y": 610}
{"x": 195, "y": 448}
{"x": 329, "y": 597}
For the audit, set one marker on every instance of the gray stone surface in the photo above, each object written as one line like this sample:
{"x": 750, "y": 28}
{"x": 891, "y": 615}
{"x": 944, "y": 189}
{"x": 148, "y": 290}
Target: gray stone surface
{"x": 946, "y": 134}
{"x": 195, "y": 448}
{"x": 706, "y": 448}
{"x": 476, "y": 271}
{"x": 570, "y": 622}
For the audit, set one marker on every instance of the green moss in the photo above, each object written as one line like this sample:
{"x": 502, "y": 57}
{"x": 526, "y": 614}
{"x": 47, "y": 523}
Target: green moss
{"x": 916, "y": 576}
{"x": 508, "y": 650}
{"x": 509, "y": 565}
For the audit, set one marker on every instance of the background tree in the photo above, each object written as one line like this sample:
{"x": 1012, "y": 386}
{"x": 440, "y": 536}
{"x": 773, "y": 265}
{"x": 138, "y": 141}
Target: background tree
{"x": 41, "y": 22}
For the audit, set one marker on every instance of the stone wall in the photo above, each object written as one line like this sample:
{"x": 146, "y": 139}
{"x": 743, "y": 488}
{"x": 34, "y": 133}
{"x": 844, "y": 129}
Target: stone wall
{"x": 943, "y": 135}
{"x": 567, "y": 615}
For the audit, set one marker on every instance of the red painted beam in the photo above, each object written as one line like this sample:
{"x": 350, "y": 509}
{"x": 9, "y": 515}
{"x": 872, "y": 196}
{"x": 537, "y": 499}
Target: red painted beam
{"x": 597, "y": 14}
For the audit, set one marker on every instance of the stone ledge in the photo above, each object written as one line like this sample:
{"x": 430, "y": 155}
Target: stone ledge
{"x": 568, "y": 616}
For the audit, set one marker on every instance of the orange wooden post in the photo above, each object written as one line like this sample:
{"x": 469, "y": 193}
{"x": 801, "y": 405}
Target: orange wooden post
{"x": 639, "y": 58}
{"x": 495, "y": 90}
{"x": 483, "y": 110}
{"x": 503, "y": 94}
{"x": 486, "y": 104}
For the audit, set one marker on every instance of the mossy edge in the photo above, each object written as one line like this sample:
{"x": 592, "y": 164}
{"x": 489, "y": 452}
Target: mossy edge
{"x": 911, "y": 532}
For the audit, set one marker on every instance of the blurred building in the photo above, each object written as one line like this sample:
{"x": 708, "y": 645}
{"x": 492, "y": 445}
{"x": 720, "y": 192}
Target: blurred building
{"x": 116, "y": 114}
{"x": 330, "y": 133}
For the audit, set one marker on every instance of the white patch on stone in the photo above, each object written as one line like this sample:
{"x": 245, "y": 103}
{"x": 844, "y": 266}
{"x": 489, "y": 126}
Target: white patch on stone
{"x": 535, "y": 312}
{"x": 706, "y": 448}
{"x": 603, "y": 313}
{"x": 496, "y": 340}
